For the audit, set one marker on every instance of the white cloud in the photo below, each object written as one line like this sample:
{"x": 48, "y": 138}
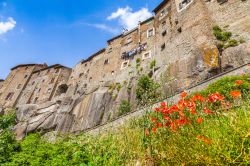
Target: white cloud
{"x": 7, "y": 26}
{"x": 129, "y": 19}
{"x": 104, "y": 27}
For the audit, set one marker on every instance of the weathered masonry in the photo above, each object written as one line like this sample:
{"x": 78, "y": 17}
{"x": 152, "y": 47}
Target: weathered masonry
{"x": 177, "y": 47}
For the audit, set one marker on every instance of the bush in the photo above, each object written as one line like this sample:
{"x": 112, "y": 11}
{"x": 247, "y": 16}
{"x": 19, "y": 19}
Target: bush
{"x": 147, "y": 90}
{"x": 125, "y": 107}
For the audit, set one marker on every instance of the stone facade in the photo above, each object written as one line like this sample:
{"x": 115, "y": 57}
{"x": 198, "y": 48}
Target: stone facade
{"x": 178, "y": 41}
{"x": 15, "y": 83}
{"x": 1, "y": 83}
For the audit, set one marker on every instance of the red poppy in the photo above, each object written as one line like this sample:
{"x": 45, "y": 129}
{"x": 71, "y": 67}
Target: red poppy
{"x": 168, "y": 124}
{"x": 199, "y": 120}
{"x": 153, "y": 120}
{"x": 208, "y": 111}
{"x": 158, "y": 109}
{"x": 197, "y": 98}
{"x": 193, "y": 112}
{"x": 199, "y": 137}
{"x": 159, "y": 125}
{"x": 147, "y": 131}
{"x": 183, "y": 94}
{"x": 167, "y": 118}
{"x": 163, "y": 104}
{"x": 215, "y": 97}
{"x": 238, "y": 82}
{"x": 173, "y": 126}
{"x": 154, "y": 130}
{"x": 235, "y": 94}
{"x": 207, "y": 141}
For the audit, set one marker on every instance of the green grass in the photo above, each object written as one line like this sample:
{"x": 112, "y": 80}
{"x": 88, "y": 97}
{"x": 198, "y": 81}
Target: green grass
{"x": 228, "y": 131}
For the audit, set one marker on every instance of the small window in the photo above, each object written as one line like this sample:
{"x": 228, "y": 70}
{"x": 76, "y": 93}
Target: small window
{"x": 163, "y": 13}
{"x": 52, "y": 80}
{"x": 163, "y": 46}
{"x": 163, "y": 23}
{"x": 124, "y": 64}
{"x": 129, "y": 40}
{"x": 112, "y": 73}
{"x": 57, "y": 70}
{"x": 146, "y": 55}
{"x": 90, "y": 79}
{"x": 49, "y": 91}
{"x": 150, "y": 32}
{"x": 86, "y": 64}
{"x": 19, "y": 86}
{"x": 106, "y": 62}
{"x": 25, "y": 76}
{"x": 110, "y": 50}
{"x": 26, "y": 68}
{"x": 164, "y": 33}
{"x": 184, "y": 3}
{"x": 9, "y": 96}
{"x": 81, "y": 75}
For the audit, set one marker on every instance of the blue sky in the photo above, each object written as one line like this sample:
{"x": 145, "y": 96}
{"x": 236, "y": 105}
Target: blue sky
{"x": 62, "y": 31}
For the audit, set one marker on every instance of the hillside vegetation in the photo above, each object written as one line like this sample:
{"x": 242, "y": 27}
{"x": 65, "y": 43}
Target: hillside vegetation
{"x": 211, "y": 127}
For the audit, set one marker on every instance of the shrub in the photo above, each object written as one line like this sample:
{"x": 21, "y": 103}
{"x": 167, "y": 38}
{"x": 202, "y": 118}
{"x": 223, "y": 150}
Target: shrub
{"x": 152, "y": 64}
{"x": 231, "y": 43}
{"x": 147, "y": 90}
{"x": 124, "y": 108}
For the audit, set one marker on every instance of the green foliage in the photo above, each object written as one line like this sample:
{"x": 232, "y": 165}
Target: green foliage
{"x": 242, "y": 40}
{"x": 124, "y": 108}
{"x": 228, "y": 84}
{"x": 138, "y": 60}
{"x": 147, "y": 90}
{"x": 224, "y": 38}
{"x": 152, "y": 64}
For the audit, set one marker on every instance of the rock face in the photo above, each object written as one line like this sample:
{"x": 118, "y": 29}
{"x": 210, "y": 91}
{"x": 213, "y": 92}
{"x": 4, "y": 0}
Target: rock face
{"x": 179, "y": 39}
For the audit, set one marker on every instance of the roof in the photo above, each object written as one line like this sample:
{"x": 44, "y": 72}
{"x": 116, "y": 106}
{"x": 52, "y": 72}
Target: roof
{"x": 26, "y": 65}
{"x": 116, "y": 37}
{"x": 160, "y": 6}
{"x": 147, "y": 20}
{"x": 94, "y": 55}
{"x": 1, "y": 80}
{"x": 56, "y": 66}
{"x": 130, "y": 31}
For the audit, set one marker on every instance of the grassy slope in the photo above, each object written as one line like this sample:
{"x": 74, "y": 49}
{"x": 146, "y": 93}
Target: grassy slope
{"x": 228, "y": 132}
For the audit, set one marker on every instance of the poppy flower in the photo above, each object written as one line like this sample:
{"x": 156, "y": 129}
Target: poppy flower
{"x": 154, "y": 130}
{"x": 183, "y": 94}
{"x": 199, "y": 137}
{"x": 193, "y": 112}
{"x": 208, "y": 111}
{"x": 163, "y": 104}
{"x": 207, "y": 141}
{"x": 153, "y": 120}
{"x": 159, "y": 125}
{"x": 167, "y": 118}
{"x": 235, "y": 94}
{"x": 158, "y": 109}
{"x": 215, "y": 97}
{"x": 238, "y": 82}
{"x": 199, "y": 120}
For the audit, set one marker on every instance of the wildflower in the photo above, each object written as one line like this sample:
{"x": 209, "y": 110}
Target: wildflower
{"x": 163, "y": 104}
{"x": 183, "y": 94}
{"x": 153, "y": 120}
{"x": 159, "y": 125}
{"x": 154, "y": 130}
{"x": 235, "y": 94}
{"x": 199, "y": 137}
{"x": 197, "y": 98}
{"x": 204, "y": 139}
{"x": 191, "y": 104}
{"x": 147, "y": 131}
{"x": 158, "y": 109}
{"x": 199, "y": 120}
{"x": 215, "y": 97}
{"x": 167, "y": 118}
{"x": 173, "y": 126}
{"x": 238, "y": 82}
{"x": 207, "y": 141}
{"x": 193, "y": 112}
{"x": 208, "y": 111}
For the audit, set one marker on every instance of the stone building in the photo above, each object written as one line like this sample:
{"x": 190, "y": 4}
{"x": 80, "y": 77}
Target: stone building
{"x": 1, "y": 83}
{"x": 16, "y": 82}
{"x": 45, "y": 84}
{"x": 176, "y": 47}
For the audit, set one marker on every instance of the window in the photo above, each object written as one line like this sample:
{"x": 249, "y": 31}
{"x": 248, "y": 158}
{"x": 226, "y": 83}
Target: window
{"x": 150, "y": 32}
{"x": 9, "y": 96}
{"x": 163, "y": 13}
{"x": 124, "y": 64}
{"x": 52, "y": 80}
{"x": 80, "y": 75}
{"x": 26, "y": 68}
{"x": 19, "y": 86}
{"x": 57, "y": 70}
{"x": 146, "y": 55}
{"x": 25, "y": 76}
{"x": 183, "y": 4}
{"x": 106, "y": 62}
{"x": 112, "y": 73}
{"x": 110, "y": 50}
{"x": 86, "y": 64}
{"x": 164, "y": 33}
{"x": 49, "y": 91}
{"x": 129, "y": 40}
{"x": 163, "y": 46}
{"x": 90, "y": 79}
